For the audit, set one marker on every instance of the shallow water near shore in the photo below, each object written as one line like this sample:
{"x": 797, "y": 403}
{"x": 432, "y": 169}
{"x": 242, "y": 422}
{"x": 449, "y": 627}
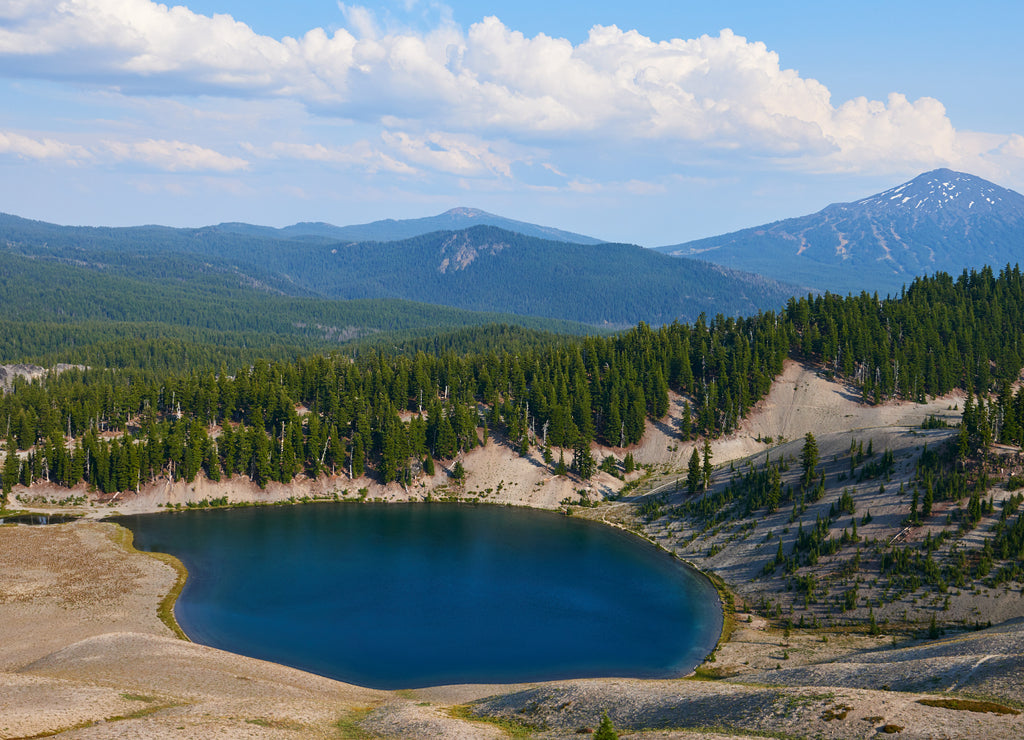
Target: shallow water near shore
{"x": 402, "y": 596}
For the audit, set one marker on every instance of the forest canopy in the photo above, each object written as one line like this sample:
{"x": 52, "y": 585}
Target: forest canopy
{"x": 271, "y": 414}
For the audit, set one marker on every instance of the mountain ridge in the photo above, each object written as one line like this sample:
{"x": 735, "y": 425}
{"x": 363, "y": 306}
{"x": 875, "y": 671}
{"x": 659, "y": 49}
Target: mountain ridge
{"x": 483, "y": 268}
{"x": 391, "y": 229}
{"x": 941, "y": 220}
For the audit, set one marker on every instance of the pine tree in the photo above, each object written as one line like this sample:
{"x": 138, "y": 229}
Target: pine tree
{"x": 873, "y": 628}
{"x": 686, "y": 423}
{"x": 582, "y": 460}
{"x": 358, "y": 456}
{"x": 809, "y": 458}
{"x": 560, "y": 468}
{"x": 693, "y": 472}
{"x": 707, "y": 468}
{"x": 10, "y": 471}
{"x": 605, "y": 730}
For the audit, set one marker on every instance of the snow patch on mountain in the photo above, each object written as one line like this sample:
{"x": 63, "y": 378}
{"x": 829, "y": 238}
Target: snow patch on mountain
{"x": 939, "y": 191}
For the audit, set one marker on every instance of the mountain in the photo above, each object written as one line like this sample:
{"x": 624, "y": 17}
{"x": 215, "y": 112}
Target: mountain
{"x": 941, "y": 220}
{"x": 486, "y": 268}
{"x": 483, "y": 268}
{"x": 390, "y": 229}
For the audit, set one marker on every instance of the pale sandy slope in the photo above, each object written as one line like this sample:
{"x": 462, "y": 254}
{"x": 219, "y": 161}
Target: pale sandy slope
{"x": 800, "y": 401}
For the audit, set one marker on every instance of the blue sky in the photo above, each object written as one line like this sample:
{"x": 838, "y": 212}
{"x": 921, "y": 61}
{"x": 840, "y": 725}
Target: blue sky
{"x": 652, "y": 123}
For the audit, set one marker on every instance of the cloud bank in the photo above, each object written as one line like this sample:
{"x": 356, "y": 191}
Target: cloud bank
{"x": 168, "y": 156}
{"x": 440, "y": 96}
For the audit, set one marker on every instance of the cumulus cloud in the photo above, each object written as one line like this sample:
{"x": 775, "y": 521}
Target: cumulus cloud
{"x": 30, "y": 148}
{"x": 403, "y": 153}
{"x": 361, "y": 155}
{"x": 170, "y": 156}
{"x": 1014, "y": 146}
{"x": 174, "y": 156}
{"x": 449, "y": 153}
{"x": 719, "y": 92}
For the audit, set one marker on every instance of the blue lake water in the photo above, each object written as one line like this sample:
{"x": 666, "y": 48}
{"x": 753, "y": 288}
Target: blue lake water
{"x": 402, "y": 596}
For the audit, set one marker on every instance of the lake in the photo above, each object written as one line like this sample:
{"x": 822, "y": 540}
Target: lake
{"x": 410, "y": 595}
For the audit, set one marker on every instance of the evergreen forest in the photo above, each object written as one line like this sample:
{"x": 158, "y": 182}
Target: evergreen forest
{"x": 200, "y": 401}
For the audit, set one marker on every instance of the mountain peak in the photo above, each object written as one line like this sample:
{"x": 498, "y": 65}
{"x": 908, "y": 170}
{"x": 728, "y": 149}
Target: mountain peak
{"x": 468, "y": 213}
{"x": 940, "y": 220}
{"x": 943, "y": 192}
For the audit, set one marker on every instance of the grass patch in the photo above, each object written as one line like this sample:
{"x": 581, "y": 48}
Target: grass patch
{"x": 138, "y": 714}
{"x": 275, "y": 724}
{"x": 713, "y": 673}
{"x": 52, "y": 733}
{"x": 349, "y": 728}
{"x": 139, "y": 697}
{"x": 124, "y": 538}
{"x": 143, "y": 712}
{"x": 509, "y": 726}
{"x": 969, "y": 705}
{"x": 839, "y": 711}
{"x": 728, "y": 607}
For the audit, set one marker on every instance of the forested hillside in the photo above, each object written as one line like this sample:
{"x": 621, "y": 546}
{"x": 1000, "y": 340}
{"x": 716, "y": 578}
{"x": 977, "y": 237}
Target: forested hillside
{"x": 54, "y": 312}
{"x": 392, "y": 413}
{"x": 483, "y": 268}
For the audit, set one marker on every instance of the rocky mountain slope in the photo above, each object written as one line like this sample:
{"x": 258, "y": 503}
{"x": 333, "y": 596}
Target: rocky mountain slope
{"x": 941, "y": 220}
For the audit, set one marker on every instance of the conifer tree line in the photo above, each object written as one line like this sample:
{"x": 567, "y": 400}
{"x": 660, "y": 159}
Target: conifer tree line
{"x": 389, "y": 414}
{"x": 393, "y": 414}
{"x": 939, "y": 334}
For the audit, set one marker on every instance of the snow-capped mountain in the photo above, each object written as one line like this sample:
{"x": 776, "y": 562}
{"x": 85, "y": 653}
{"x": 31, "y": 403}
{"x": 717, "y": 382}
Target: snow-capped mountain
{"x": 946, "y": 194}
{"x": 939, "y": 221}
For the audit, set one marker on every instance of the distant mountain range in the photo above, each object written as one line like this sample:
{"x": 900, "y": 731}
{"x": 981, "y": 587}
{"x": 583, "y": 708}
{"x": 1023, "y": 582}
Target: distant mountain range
{"x": 483, "y": 268}
{"x": 941, "y": 220}
{"x": 390, "y": 229}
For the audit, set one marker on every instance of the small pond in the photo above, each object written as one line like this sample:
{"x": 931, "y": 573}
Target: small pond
{"x": 409, "y": 595}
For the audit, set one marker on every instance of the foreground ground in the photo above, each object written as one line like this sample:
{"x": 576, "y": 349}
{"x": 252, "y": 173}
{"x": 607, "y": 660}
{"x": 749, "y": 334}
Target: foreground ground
{"x": 84, "y": 655}
{"x": 83, "y": 652}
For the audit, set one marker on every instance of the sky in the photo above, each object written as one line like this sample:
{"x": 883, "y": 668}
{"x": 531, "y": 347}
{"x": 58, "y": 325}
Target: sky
{"x": 651, "y": 123}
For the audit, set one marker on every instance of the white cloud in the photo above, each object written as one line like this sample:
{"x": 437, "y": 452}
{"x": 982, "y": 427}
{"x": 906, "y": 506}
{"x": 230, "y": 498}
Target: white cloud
{"x": 361, "y": 155}
{"x": 405, "y": 154}
{"x": 1014, "y": 146}
{"x": 174, "y": 156}
{"x": 29, "y": 148}
{"x": 714, "y": 93}
{"x": 361, "y": 19}
{"x": 631, "y": 187}
{"x": 170, "y": 156}
{"x": 450, "y": 153}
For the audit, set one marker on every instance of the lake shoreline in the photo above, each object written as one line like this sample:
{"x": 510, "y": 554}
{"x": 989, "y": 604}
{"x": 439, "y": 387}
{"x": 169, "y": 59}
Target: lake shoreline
{"x": 704, "y": 580}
